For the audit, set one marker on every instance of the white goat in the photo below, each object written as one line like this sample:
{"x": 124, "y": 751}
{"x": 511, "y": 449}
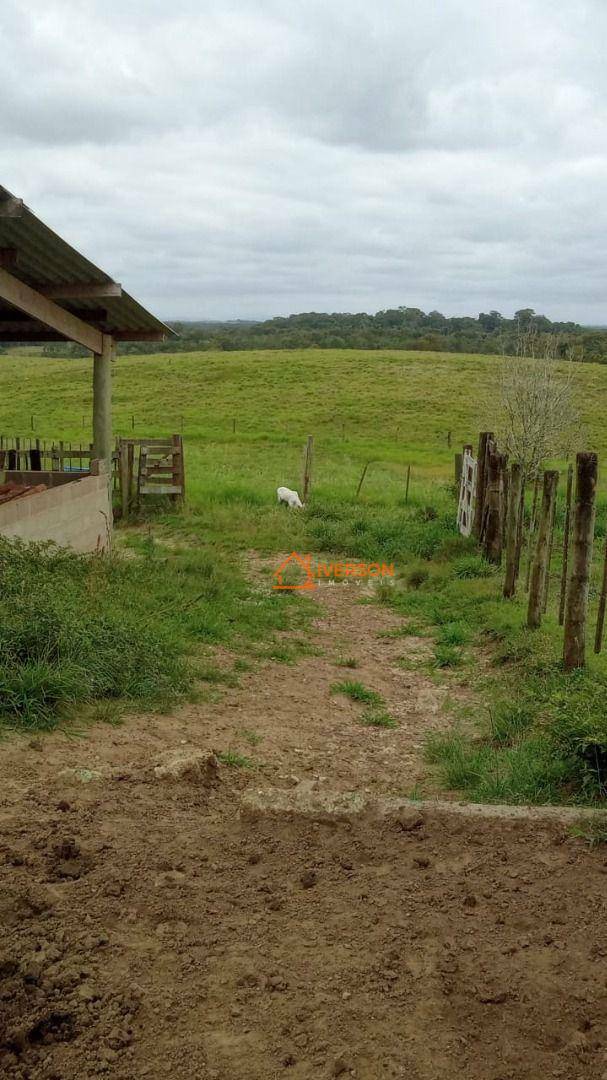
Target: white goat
{"x": 291, "y": 498}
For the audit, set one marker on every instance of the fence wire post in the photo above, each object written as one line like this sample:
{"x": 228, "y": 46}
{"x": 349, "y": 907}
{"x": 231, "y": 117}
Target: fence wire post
{"x": 512, "y": 529}
{"x": 540, "y": 561}
{"x": 307, "y": 473}
{"x": 485, "y": 438}
{"x": 566, "y": 539}
{"x": 576, "y": 606}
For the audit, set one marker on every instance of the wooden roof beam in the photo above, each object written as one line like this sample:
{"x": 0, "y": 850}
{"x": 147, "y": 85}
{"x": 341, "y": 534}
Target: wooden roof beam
{"x": 46, "y": 311}
{"x": 138, "y": 335}
{"x": 79, "y": 290}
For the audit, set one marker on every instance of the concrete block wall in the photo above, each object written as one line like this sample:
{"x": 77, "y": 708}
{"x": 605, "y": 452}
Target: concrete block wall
{"x": 77, "y": 515}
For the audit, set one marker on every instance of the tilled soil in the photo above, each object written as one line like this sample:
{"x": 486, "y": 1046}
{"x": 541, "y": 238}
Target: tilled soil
{"x": 151, "y": 930}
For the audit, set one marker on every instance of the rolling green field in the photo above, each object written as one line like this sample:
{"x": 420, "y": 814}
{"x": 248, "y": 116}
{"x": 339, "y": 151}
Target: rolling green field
{"x": 539, "y": 736}
{"x": 394, "y": 408}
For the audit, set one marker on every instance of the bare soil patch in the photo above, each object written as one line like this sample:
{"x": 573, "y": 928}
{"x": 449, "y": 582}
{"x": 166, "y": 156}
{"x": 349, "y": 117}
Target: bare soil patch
{"x": 149, "y": 930}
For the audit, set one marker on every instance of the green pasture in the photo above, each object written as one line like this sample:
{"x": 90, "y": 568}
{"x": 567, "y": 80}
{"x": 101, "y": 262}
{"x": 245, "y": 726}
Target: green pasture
{"x": 534, "y": 734}
{"x": 245, "y": 415}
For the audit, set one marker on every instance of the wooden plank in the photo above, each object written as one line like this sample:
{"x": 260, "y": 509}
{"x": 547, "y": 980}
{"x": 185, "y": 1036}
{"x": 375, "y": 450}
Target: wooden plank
{"x": 159, "y": 468}
{"x": 26, "y": 299}
{"x": 78, "y": 290}
{"x": 160, "y": 489}
{"x": 138, "y": 335}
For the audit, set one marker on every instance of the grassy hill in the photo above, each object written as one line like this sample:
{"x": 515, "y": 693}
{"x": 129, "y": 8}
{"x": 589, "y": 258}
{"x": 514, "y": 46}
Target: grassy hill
{"x": 246, "y": 415}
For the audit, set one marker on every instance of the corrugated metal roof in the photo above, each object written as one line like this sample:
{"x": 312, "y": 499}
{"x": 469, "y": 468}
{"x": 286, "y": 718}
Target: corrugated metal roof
{"x": 44, "y": 259}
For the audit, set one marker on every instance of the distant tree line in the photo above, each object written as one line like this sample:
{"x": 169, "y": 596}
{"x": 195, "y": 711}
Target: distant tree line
{"x": 394, "y": 328}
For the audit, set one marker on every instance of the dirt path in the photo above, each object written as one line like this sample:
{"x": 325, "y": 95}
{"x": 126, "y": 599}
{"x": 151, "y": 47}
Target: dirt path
{"x": 151, "y": 931}
{"x": 305, "y": 730}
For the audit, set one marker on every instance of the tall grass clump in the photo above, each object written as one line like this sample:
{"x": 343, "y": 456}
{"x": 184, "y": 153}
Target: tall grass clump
{"x": 74, "y": 630}
{"x": 77, "y": 630}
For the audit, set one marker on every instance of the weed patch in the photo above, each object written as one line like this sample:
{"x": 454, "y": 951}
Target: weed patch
{"x": 375, "y": 717}
{"x": 357, "y": 692}
{"x": 235, "y": 760}
{"x": 76, "y": 630}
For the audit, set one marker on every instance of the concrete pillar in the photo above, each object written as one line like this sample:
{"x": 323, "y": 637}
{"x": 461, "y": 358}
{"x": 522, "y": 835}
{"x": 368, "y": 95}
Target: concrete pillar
{"x": 102, "y": 402}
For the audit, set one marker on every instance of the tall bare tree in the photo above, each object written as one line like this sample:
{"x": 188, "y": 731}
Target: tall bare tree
{"x": 539, "y": 417}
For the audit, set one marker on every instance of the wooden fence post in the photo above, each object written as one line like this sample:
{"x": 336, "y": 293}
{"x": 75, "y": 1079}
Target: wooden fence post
{"x": 520, "y": 531}
{"x": 600, "y": 622}
{"x": 360, "y": 482}
{"x": 549, "y": 558}
{"x": 123, "y": 473}
{"x": 532, "y": 525}
{"x": 484, "y": 439}
{"x": 512, "y": 529}
{"x": 540, "y": 561}
{"x": 407, "y": 484}
{"x": 566, "y": 538}
{"x": 576, "y": 607}
{"x": 492, "y": 528}
{"x": 307, "y": 473}
{"x": 505, "y": 499}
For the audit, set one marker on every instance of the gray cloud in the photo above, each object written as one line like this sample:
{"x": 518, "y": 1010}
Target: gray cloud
{"x": 248, "y": 157}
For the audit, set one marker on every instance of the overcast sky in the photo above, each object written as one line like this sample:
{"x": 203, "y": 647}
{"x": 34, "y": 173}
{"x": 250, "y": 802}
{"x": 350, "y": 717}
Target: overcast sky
{"x": 244, "y": 158}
